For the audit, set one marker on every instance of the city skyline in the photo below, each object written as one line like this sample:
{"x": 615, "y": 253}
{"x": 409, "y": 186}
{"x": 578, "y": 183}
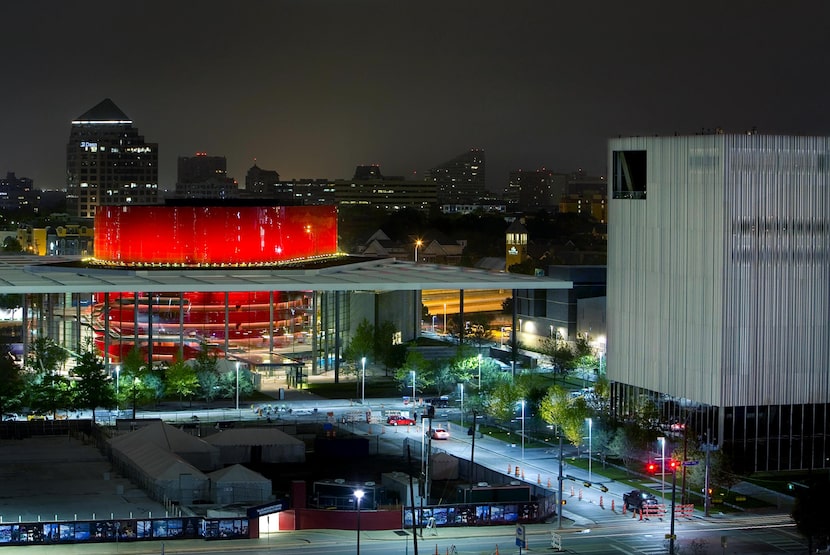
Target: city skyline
{"x": 312, "y": 89}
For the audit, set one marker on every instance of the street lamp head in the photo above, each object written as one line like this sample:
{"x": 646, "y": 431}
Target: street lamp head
{"x": 358, "y": 494}
{"x": 363, "y": 361}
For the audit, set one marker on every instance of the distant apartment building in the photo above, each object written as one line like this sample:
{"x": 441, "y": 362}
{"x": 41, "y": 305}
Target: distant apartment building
{"x": 260, "y": 182}
{"x": 460, "y": 180}
{"x": 17, "y": 193}
{"x": 718, "y": 300}
{"x": 266, "y": 184}
{"x": 370, "y": 188}
{"x": 529, "y": 191}
{"x": 587, "y": 195}
{"x": 108, "y": 162}
{"x": 205, "y": 177}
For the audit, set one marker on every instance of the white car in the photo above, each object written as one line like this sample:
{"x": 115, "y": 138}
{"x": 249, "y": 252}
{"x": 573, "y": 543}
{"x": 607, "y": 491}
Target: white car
{"x": 440, "y": 433}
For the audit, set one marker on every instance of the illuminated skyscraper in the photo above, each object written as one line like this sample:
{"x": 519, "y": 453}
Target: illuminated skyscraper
{"x": 108, "y": 162}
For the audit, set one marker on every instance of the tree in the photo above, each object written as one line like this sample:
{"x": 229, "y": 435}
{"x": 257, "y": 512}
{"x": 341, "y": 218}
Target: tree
{"x": 46, "y": 356}
{"x": 182, "y": 380}
{"x": 527, "y": 266}
{"x": 416, "y": 362}
{"x": 362, "y": 343}
{"x": 384, "y": 345}
{"x": 94, "y": 387}
{"x": 228, "y": 384}
{"x": 562, "y": 358}
{"x": 12, "y": 244}
{"x": 11, "y": 385}
{"x": 628, "y": 444}
{"x": 809, "y": 511}
{"x": 48, "y": 393}
{"x": 208, "y": 384}
{"x": 560, "y": 409}
{"x": 502, "y": 401}
{"x": 479, "y": 333}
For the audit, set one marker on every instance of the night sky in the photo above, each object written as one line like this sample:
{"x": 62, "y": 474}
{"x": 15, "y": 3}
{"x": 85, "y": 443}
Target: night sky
{"x": 313, "y": 88}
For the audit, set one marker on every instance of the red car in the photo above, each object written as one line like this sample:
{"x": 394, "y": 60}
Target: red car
{"x": 400, "y": 421}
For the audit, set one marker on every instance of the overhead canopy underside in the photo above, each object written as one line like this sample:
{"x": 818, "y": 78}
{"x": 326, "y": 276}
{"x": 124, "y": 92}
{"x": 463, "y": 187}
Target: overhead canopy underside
{"x": 30, "y": 274}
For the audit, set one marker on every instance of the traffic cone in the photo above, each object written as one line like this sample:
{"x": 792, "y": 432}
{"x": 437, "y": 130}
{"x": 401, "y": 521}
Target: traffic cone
{"x": 509, "y": 469}
{"x": 580, "y": 494}
{"x": 548, "y": 483}
{"x": 523, "y": 474}
{"x": 600, "y": 502}
{"x": 612, "y": 506}
{"x": 538, "y": 479}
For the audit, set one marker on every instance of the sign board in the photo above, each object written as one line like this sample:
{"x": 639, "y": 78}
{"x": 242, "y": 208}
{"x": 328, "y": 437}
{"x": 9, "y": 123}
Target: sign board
{"x": 690, "y": 463}
{"x": 520, "y": 536}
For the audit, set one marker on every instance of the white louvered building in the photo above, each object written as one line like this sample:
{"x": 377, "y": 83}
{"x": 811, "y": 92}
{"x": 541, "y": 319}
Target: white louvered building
{"x": 719, "y": 289}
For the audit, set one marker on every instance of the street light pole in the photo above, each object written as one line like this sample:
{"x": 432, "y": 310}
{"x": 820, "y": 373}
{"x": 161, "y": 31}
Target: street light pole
{"x": 237, "y": 386}
{"x": 479, "y": 373}
{"x": 590, "y": 427}
{"x": 136, "y": 383}
{"x": 418, "y": 243}
{"x": 462, "y": 405}
{"x": 413, "y": 387}
{"x": 358, "y": 495}
{"x": 523, "y": 429}
{"x": 363, "y": 385}
{"x": 662, "y": 441}
{"x": 117, "y": 375}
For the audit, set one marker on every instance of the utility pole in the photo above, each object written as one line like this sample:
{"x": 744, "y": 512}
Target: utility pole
{"x": 412, "y": 496}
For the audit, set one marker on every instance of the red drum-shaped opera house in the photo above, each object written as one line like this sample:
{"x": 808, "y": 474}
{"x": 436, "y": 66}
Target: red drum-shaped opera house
{"x": 201, "y": 235}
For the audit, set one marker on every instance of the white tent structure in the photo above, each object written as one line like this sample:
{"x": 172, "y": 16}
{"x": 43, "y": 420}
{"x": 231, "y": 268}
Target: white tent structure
{"x": 162, "y": 474}
{"x": 237, "y": 484}
{"x": 193, "y": 450}
{"x": 257, "y": 445}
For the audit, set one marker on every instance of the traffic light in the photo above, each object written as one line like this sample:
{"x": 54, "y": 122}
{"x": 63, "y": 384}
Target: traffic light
{"x": 651, "y": 468}
{"x": 673, "y": 465}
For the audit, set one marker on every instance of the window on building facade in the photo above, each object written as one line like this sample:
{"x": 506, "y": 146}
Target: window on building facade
{"x": 630, "y": 172}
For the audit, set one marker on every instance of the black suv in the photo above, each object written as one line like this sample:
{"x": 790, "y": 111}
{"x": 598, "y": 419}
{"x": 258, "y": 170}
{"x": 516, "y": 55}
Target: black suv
{"x": 635, "y": 500}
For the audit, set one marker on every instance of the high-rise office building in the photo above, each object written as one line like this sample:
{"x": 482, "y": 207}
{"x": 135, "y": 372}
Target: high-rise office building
{"x": 718, "y": 304}
{"x": 460, "y": 180}
{"x": 108, "y": 162}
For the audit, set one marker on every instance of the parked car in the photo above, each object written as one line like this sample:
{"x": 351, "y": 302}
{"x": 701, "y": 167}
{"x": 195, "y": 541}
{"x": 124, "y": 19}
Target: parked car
{"x": 397, "y": 420}
{"x": 440, "y": 433}
{"x": 441, "y": 402}
{"x": 635, "y": 500}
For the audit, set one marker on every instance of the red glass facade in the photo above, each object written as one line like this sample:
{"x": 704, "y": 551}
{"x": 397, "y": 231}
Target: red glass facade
{"x": 213, "y": 235}
{"x": 202, "y": 319}
{"x": 177, "y": 323}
